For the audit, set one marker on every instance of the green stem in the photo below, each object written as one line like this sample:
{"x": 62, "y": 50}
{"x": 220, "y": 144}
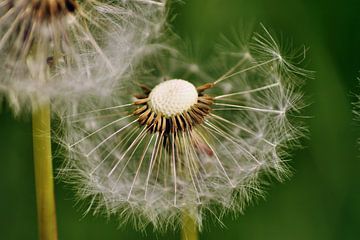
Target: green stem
{"x": 189, "y": 229}
{"x": 44, "y": 173}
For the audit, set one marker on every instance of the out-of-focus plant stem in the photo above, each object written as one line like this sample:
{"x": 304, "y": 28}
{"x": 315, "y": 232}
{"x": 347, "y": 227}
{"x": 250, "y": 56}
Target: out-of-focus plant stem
{"x": 44, "y": 180}
{"x": 189, "y": 229}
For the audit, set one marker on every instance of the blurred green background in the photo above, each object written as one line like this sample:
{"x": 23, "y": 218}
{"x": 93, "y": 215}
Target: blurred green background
{"x": 321, "y": 201}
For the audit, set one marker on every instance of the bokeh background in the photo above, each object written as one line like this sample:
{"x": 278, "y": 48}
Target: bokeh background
{"x": 322, "y": 199}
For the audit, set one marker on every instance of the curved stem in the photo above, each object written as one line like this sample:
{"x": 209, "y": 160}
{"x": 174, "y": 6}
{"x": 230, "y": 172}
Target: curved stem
{"x": 44, "y": 173}
{"x": 189, "y": 229}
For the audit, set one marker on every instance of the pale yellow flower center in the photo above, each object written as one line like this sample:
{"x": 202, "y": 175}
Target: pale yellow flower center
{"x": 173, "y": 97}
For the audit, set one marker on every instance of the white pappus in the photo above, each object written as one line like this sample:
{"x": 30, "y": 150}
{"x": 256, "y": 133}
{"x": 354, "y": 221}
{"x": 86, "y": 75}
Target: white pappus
{"x": 62, "y": 49}
{"x": 176, "y": 138}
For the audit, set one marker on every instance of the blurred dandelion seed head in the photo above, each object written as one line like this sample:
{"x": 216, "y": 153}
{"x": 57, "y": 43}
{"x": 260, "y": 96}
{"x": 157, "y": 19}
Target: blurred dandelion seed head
{"x": 203, "y": 145}
{"x": 61, "y": 48}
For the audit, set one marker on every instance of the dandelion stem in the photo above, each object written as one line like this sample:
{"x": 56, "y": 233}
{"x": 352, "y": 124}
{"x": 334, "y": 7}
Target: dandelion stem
{"x": 44, "y": 173}
{"x": 189, "y": 227}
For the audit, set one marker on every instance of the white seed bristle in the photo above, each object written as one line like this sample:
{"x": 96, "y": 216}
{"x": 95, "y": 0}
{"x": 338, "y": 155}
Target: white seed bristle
{"x": 173, "y": 97}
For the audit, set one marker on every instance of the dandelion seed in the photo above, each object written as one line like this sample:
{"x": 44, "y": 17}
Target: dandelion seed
{"x": 55, "y": 48}
{"x": 187, "y": 144}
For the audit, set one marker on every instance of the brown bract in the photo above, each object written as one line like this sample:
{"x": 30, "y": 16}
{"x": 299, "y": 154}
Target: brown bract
{"x": 45, "y": 9}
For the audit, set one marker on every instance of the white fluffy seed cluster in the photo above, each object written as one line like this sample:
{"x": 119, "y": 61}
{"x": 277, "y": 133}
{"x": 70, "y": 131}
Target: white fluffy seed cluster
{"x": 173, "y": 97}
{"x": 68, "y": 49}
{"x": 120, "y": 167}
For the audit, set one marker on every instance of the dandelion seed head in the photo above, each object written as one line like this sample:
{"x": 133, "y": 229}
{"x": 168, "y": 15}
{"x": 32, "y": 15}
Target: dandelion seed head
{"x": 203, "y": 142}
{"x": 61, "y": 49}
